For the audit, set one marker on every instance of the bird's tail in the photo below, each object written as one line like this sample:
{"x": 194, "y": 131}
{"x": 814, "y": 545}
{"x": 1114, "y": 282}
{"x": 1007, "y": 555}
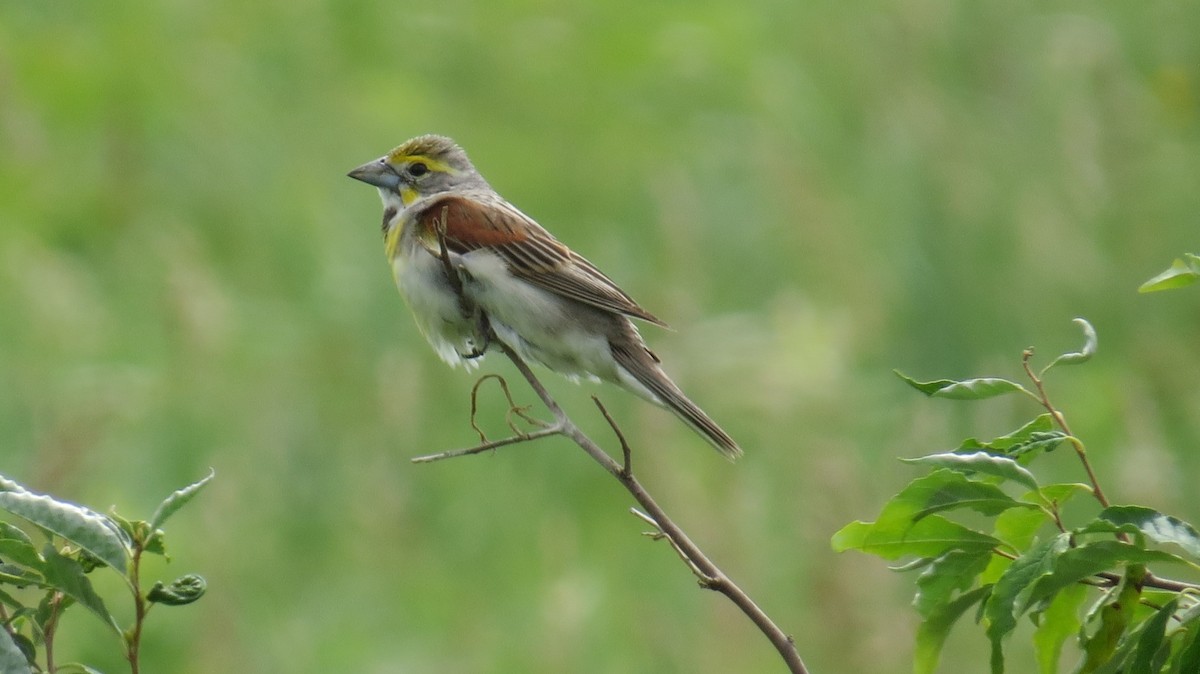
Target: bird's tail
{"x": 642, "y": 366}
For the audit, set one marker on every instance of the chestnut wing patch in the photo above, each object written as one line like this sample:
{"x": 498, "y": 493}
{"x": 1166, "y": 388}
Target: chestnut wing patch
{"x": 531, "y": 252}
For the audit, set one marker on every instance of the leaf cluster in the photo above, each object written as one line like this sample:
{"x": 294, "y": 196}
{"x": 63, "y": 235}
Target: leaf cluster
{"x": 1089, "y": 585}
{"x": 45, "y": 570}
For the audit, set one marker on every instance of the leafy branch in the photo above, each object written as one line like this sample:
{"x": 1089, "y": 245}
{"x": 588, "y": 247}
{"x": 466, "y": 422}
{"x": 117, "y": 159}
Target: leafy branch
{"x": 37, "y": 586}
{"x": 1139, "y": 623}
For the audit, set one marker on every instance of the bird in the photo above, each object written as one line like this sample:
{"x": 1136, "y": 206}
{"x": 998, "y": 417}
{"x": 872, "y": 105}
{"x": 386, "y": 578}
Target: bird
{"x": 472, "y": 267}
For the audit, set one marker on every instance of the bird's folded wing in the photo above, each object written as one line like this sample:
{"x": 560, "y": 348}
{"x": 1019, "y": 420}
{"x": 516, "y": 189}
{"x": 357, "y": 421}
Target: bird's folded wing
{"x": 529, "y": 250}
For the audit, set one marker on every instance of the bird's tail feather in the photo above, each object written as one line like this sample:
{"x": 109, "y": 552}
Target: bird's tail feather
{"x": 647, "y": 373}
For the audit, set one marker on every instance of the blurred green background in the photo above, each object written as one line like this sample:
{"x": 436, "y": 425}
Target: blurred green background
{"x": 811, "y": 193}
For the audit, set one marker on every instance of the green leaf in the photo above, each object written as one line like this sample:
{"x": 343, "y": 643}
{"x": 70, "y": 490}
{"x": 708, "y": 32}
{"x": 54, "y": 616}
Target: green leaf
{"x": 1091, "y": 558}
{"x": 1188, "y": 659}
{"x": 89, "y": 530}
{"x": 133, "y": 531}
{"x": 66, "y": 575}
{"x": 1150, "y": 641}
{"x": 1006, "y": 602}
{"x": 177, "y": 500}
{"x": 21, "y": 577}
{"x": 906, "y": 525}
{"x": 53, "y": 602}
{"x": 1156, "y": 526}
{"x": 1040, "y": 442}
{"x": 1017, "y": 526}
{"x": 932, "y": 633}
{"x": 1083, "y": 355}
{"x": 1042, "y": 423}
{"x": 949, "y": 490}
{"x": 27, "y": 646}
{"x": 918, "y": 563}
{"x": 1182, "y": 272}
{"x": 1062, "y": 492}
{"x": 1059, "y": 622}
{"x": 928, "y": 537}
{"x": 853, "y": 536}
{"x": 983, "y": 463}
{"x": 9, "y": 531}
{"x": 12, "y": 658}
{"x": 953, "y": 572}
{"x": 156, "y": 545}
{"x": 9, "y": 600}
{"x": 1100, "y": 649}
{"x": 968, "y": 389}
{"x": 183, "y": 590}
{"x": 20, "y": 552}
{"x": 1036, "y": 436}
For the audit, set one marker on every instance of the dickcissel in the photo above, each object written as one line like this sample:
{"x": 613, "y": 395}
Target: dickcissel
{"x": 514, "y": 281}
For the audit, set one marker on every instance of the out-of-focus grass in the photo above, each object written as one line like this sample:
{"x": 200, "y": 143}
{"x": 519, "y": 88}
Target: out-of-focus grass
{"x": 811, "y": 193}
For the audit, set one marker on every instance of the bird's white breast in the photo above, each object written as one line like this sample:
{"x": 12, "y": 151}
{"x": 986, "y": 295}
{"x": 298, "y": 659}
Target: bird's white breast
{"x": 421, "y": 279}
{"x": 539, "y": 324}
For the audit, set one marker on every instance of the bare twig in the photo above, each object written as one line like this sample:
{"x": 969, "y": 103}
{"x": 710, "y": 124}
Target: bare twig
{"x": 709, "y": 574}
{"x": 658, "y": 535}
{"x": 626, "y": 454}
{"x": 513, "y": 408}
{"x": 477, "y": 449}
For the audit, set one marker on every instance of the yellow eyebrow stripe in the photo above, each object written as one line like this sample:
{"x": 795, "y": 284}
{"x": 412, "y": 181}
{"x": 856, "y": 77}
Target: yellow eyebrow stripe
{"x": 433, "y": 164}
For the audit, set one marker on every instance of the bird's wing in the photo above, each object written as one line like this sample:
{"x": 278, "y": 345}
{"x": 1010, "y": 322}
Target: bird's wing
{"x": 530, "y": 252}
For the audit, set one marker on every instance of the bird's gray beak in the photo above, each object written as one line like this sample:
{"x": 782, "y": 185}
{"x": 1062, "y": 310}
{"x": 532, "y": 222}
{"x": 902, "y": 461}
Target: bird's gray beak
{"x": 378, "y": 173}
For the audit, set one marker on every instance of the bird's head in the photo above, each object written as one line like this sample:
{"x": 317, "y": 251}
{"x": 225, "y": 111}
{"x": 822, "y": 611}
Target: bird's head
{"x": 420, "y": 167}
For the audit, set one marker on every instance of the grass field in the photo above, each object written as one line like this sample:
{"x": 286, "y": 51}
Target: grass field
{"x": 811, "y": 194}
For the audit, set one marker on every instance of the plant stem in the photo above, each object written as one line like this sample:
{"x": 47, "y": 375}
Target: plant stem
{"x": 50, "y": 629}
{"x": 1076, "y": 443}
{"x": 1151, "y": 580}
{"x": 133, "y": 639}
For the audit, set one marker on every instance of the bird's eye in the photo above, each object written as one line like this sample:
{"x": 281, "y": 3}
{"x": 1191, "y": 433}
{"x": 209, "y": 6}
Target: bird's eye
{"x": 418, "y": 169}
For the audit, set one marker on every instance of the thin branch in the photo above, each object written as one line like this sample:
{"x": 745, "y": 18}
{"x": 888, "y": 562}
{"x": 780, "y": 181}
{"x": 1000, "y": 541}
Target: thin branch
{"x": 1151, "y": 580}
{"x": 711, "y": 576}
{"x": 658, "y": 535}
{"x": 626, "y": 453}
{"x": 134, "y": 637}
{"x": 51, "y": 629}
{"x": 477, "y": 449}
{"x": 1044, "y": 399}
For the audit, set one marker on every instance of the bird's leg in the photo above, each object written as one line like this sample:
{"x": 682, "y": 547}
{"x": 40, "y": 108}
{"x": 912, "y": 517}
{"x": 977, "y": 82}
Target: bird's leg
{"x": 483, "y": 328}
